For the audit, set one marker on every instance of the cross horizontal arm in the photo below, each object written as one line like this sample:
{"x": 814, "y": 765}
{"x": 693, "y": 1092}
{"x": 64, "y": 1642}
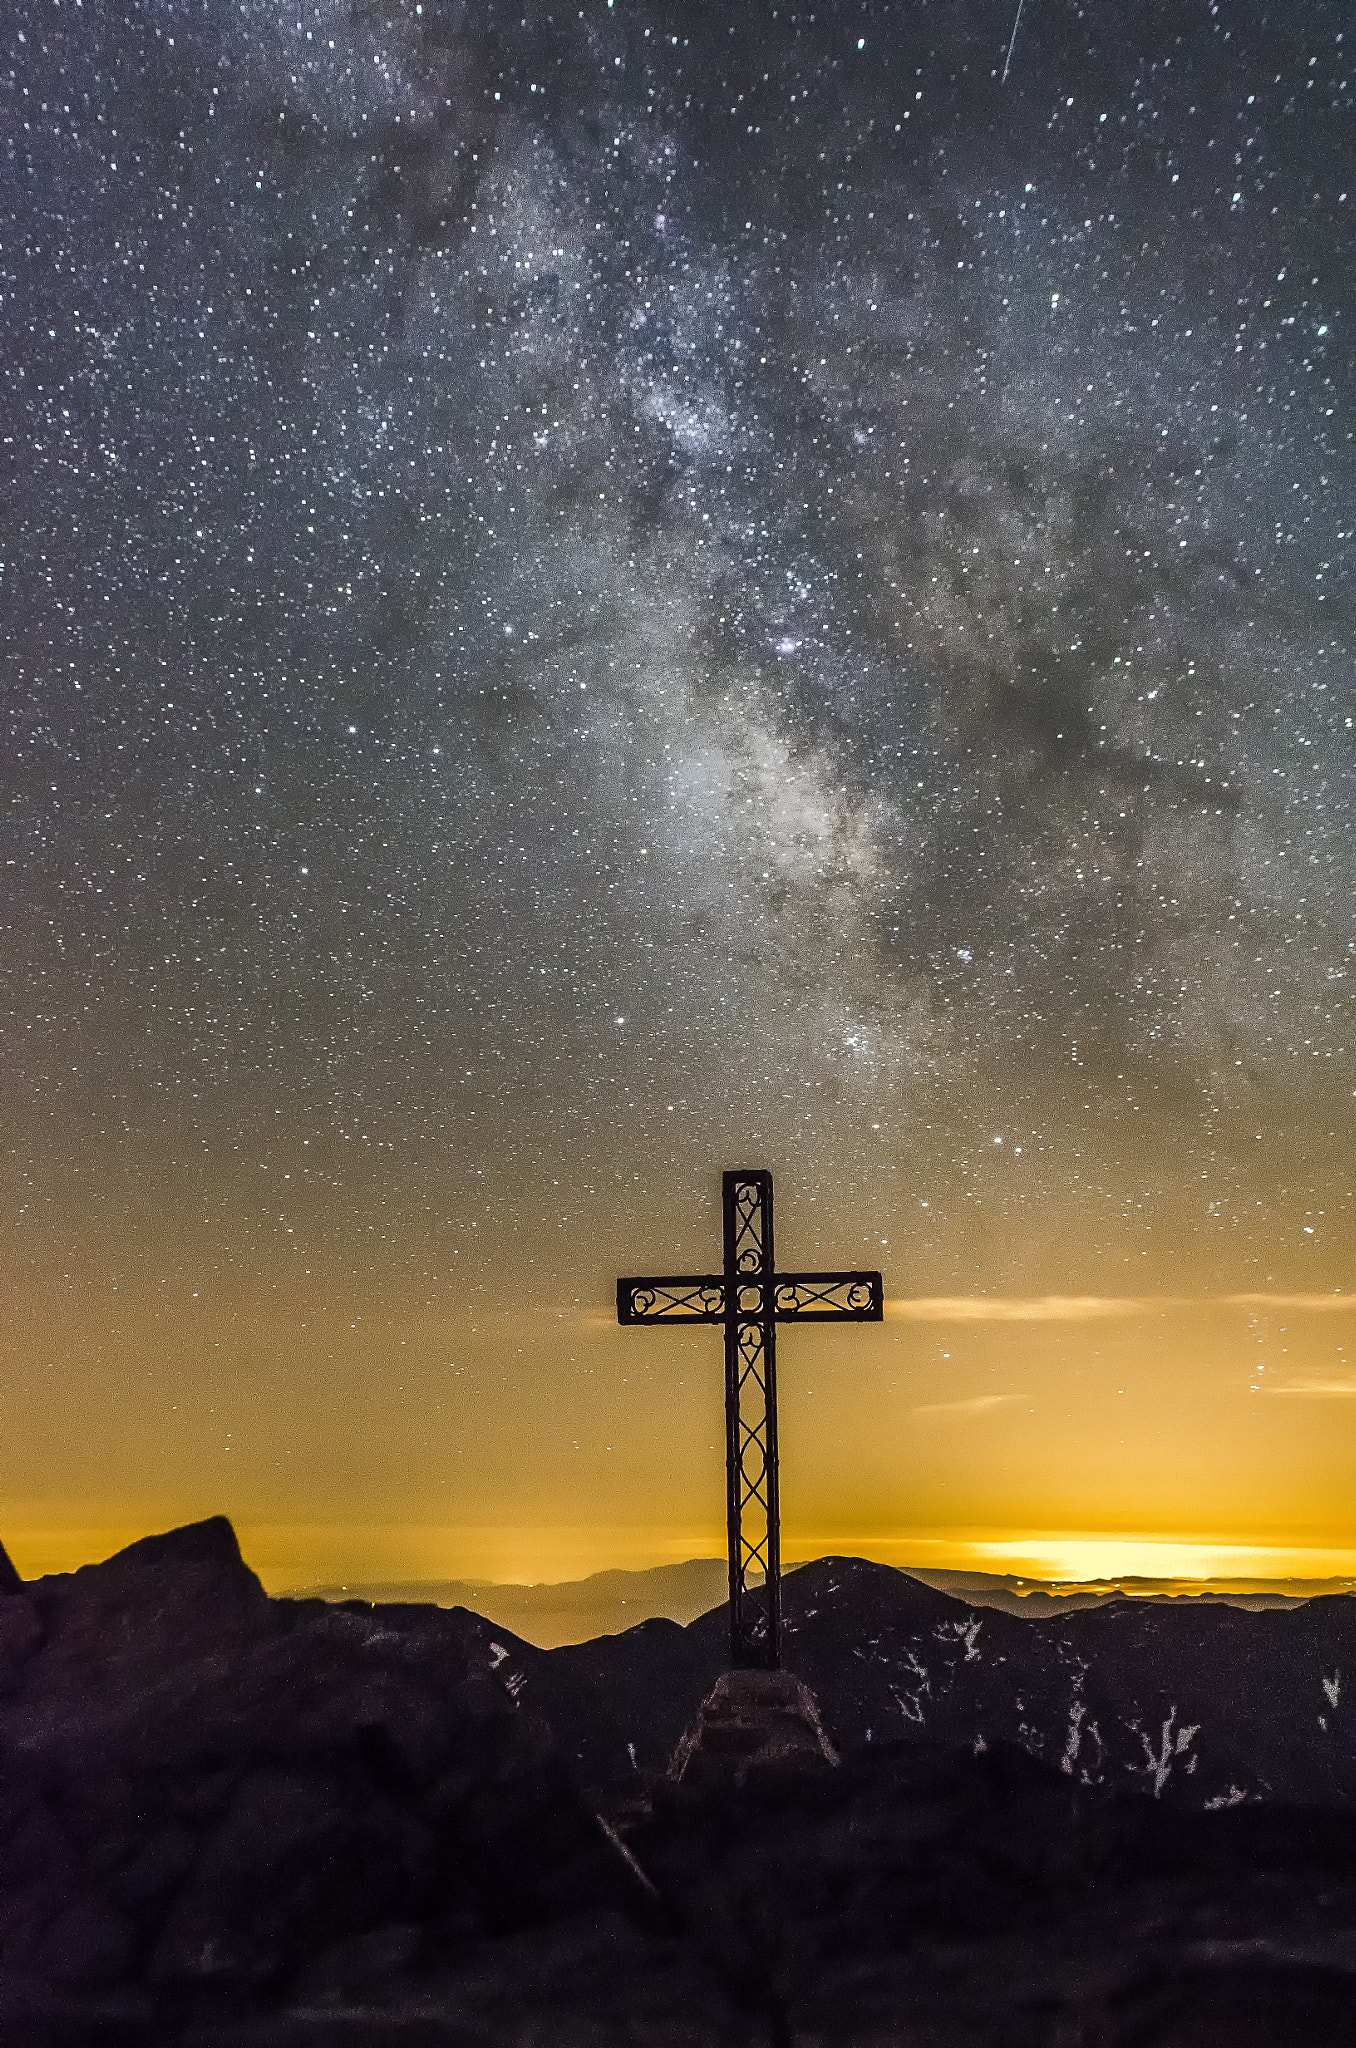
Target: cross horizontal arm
{"x": 681, "y": 1298}
{"x": 828, "y": 1297}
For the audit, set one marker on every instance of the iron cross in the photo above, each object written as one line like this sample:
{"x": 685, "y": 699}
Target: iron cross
{"x": 750, "y": 1297}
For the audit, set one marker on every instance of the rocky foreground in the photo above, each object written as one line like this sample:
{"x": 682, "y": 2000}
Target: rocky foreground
{"x": 232, "y": 1822}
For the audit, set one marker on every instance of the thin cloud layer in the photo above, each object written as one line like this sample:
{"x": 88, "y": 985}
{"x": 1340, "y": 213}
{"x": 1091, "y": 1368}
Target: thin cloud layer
{"x": 1314, "y": 1389}
{"x": 974, "y": 1404}
{"x": 1090, "y": 1308}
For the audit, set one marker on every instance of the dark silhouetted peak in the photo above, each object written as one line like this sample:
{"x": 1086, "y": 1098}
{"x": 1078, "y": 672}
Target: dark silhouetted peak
{"x": 853, "y": 1583}
{"x": 266, "y": 1779}
{"x": 854, "y": 1597}
{"x": 210, "y": 1542}
{"x": 197, "y": 1568}
{"x": 1197, "y": 1703}
{"x": 10, "y": 1582}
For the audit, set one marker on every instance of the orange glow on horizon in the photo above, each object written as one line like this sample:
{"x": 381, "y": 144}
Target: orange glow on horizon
{"x": 291, "y": 1559}
{"x": 1053, "y": 1435}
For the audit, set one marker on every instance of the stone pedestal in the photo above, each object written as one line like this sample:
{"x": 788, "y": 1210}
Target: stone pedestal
{"x": 751, "y": 1721}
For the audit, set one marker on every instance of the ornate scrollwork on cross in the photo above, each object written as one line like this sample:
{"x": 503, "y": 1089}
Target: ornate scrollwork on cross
{"x": 828, "y": 1297}
{"x": 687, "y": 1298}
{"x": 750, "y": 1225}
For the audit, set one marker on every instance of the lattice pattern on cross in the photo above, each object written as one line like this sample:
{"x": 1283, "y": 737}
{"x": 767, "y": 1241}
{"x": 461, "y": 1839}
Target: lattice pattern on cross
{"x": 750, "y": 1297}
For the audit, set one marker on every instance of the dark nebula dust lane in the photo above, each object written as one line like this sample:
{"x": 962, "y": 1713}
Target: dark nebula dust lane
{"x": 588, "y": 590}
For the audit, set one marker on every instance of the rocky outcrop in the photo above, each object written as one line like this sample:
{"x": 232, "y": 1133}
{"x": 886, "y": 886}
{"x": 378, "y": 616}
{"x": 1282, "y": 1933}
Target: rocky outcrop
{"x": 204, "y": 1790}
{"x": 234, "y": 1822}
{"x": 751, "y": 1723}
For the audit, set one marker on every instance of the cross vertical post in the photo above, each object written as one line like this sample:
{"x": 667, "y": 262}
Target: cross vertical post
{"x": 749, "y": 1297}
{"x": 752, "y": 1508}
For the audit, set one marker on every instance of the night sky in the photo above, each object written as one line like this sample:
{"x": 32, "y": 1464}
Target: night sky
{"x": 599, "y": 593}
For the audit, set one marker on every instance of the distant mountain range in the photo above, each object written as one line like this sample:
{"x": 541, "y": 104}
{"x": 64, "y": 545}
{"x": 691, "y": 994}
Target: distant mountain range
{"x": 1014, "y": 1595}
{"x": 1194, "y": 1701}
{"x": 571, "y": 1612}
{"x": 576, "y": 1610}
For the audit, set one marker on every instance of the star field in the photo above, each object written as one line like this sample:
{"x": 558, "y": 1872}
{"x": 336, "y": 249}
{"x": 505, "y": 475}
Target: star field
{"x": 595, "y": 593}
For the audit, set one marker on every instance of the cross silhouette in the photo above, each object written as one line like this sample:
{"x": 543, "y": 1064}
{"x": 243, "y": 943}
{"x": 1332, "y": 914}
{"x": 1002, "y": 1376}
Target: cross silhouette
{"x": 750, "y": 1297}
